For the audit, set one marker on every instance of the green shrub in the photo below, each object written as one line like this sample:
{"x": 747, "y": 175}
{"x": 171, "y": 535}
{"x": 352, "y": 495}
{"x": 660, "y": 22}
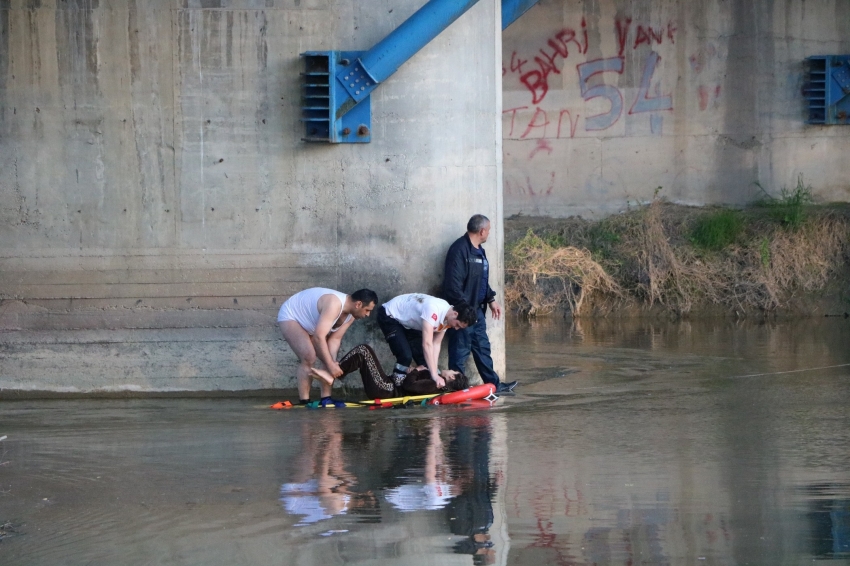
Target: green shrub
{"x": 764, "y": 252}
{"x": 557, "y": 240}
{"x": 790, "y": 208}
{"x": 717, "y": 230}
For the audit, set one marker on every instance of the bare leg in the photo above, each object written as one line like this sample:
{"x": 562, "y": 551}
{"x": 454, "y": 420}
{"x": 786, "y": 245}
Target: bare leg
{"x": 300, "y": 342}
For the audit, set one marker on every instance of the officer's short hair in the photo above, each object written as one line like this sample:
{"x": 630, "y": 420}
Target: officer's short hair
{"x": 477, "y": 223}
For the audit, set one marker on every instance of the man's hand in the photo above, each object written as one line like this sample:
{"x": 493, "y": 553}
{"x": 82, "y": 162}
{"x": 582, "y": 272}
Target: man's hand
{"x": 335, "y": 370}
{"x": 449, "y": 374}
{"x": 496, "y": 309}
{"x": 439, "y": 381}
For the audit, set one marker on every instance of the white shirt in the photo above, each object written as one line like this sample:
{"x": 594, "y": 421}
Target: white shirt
{"x": 421, "y": 497}
{"x": 411, "y": 309}
{"x": 303, "y": 499}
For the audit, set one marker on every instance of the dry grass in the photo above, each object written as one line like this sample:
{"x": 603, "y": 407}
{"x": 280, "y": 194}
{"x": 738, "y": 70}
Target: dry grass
{"x": 544, "y": 277}
{"x": 645, "y": 257}
{"x": 801, "y": 260}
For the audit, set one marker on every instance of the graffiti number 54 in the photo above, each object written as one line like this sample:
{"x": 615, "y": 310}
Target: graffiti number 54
{"x": 613, "y": 94}
{"x": 643, "y": 102}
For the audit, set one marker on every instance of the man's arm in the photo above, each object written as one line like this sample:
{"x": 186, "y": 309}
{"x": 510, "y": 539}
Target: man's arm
{"x": 334, "y": 340}
{"x": 490, "y": 295}
{"x": 454, "y": 275}
{"x": 490, "y": 299}
{"x": 437, "y": 341}
{"x": 329, "y": 307}
{"x": 431, "y": 353}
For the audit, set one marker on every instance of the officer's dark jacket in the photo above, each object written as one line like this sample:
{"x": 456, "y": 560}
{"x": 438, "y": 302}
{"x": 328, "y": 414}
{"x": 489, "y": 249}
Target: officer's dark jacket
{"x": 463, "y": 273}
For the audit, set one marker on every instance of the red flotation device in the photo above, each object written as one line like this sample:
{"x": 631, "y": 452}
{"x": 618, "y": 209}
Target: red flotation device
{"x": 477, "y": 404}
{"x": 477, "y": 392}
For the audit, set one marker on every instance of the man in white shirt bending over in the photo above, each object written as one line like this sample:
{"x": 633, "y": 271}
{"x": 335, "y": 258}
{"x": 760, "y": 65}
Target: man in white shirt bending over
{"x": 414, "y": 326}
{"x": 313, "y": 322}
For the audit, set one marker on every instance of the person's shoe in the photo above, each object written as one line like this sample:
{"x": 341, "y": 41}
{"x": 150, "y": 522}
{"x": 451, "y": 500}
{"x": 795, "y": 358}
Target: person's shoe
{"x": 506, "y": 387}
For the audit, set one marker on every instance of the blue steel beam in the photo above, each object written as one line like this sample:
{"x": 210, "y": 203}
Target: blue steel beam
{"x": 513, "y": 9}
{"x": 377, "y": 64}
{"x": 415, "y": 33}
{"x": 336, "y": 88}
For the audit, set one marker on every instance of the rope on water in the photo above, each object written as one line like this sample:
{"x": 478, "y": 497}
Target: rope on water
{"x": 789, "y": 371}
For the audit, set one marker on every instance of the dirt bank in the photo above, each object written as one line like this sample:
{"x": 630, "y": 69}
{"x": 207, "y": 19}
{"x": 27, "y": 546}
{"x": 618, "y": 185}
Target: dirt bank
{"x": 781, "y": 257}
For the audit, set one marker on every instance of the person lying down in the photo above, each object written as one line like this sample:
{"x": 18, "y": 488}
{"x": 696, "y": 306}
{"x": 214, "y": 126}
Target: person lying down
{"x": 378, "y": 385}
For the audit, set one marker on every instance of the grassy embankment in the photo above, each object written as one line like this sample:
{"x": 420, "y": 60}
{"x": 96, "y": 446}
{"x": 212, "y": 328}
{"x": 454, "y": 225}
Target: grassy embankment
{"x": 780, "y": 255}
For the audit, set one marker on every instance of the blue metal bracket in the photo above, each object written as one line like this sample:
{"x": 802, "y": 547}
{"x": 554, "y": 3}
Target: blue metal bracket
{"x": 337, "y": 84}
{"x": 321, "y": 93}
{"x": 356, "y": 81}
{"x": 827, "y": 90}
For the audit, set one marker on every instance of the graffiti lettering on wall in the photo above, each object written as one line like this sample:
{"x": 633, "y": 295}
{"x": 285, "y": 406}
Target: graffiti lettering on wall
{"x": 528, "y": 189}
{"x": 643, "y": 35}
{"x": 706, "y": 93}
{"x": 537, "y": 79}
{"x": 535, "y": 75}
{"x": 540, "y": 121}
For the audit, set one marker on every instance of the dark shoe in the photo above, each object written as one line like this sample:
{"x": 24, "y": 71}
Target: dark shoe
{"x": 506, "y": 387}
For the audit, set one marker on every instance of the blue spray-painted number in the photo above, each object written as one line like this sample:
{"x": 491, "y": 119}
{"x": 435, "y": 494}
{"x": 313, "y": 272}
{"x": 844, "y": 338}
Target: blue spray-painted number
{"x": 643, "y": 103}
{"x": 611, "y": 93}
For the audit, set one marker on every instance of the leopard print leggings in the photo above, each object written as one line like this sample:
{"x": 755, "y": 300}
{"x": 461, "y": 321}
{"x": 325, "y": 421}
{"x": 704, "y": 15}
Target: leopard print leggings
{"x": 378, "y": 385}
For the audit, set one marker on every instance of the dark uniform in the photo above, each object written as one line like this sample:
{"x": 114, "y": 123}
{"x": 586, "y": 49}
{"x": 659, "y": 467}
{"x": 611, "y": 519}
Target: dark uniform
{"x": 466, "y": 279}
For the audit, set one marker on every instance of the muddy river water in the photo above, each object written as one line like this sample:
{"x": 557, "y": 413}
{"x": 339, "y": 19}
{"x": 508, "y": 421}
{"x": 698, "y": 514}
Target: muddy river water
{"x": 711, "y": 442}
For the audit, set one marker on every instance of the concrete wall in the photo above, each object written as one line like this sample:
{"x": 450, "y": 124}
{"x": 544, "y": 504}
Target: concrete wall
{"x": 157, "y": 204}
{"x": 699, "y": 97}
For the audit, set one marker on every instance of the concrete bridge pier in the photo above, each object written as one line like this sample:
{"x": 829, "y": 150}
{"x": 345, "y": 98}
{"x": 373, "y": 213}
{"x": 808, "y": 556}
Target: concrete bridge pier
{"x": 157, "y": 203}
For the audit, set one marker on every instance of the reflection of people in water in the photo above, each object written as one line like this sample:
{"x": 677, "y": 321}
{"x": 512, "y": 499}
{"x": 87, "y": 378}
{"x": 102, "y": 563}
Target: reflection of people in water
{"x": 322, "y": 486}
{"x": 446, "y": 468}
{"x": 436, "y": 490}
{"x": 440, "y": 467}
{"x": 472, "y": 509}
{"x": 377, "y": 384}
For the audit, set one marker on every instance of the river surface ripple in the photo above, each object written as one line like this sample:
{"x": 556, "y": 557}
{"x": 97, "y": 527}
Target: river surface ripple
{"x": 628, "y": 442}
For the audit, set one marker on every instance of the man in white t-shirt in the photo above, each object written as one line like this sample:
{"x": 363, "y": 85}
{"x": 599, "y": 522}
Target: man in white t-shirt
{"x": 414, "y": 326}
